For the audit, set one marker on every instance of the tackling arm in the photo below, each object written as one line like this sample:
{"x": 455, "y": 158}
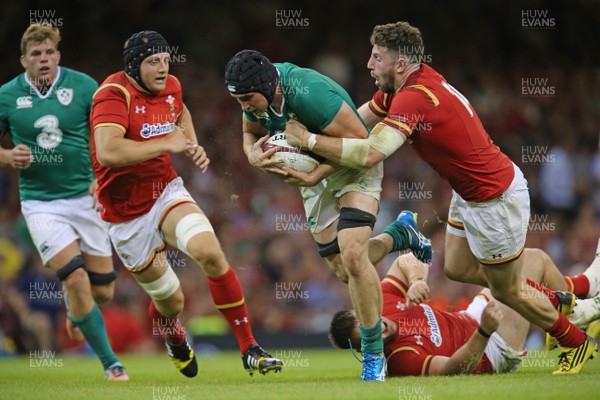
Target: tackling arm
{"x": 369, "y": 117}
{"x": 350, "y": 152}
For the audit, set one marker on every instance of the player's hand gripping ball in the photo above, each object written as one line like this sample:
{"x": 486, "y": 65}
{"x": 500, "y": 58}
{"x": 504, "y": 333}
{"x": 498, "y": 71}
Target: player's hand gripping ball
{"x": 293, "y": 157}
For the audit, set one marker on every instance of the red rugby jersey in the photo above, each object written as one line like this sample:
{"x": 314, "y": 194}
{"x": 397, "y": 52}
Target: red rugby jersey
{"x": 445, "y": 131}
{"x": 125, "y": 193}
{"x": 422, "y": 333}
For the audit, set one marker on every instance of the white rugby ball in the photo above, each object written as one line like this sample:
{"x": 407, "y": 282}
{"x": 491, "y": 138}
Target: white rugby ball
{"x": 293, "y": 157}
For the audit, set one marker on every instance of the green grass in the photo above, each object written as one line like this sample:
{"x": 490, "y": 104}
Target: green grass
{"x": 311, "y": 374}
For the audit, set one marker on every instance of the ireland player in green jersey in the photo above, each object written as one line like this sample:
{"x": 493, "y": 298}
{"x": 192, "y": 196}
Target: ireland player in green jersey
{"x": 46, "y": 112}
{"x": 341, "y": 204}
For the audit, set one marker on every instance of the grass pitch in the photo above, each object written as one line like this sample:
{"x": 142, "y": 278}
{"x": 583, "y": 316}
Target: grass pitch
{"x": 308, "y": 374}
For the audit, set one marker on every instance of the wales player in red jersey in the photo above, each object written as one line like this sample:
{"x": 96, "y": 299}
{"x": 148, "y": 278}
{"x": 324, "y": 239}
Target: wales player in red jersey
{"x": 489, "y": 212}
{"x": 487, "y": 337}
{"x": 139, "y": 120}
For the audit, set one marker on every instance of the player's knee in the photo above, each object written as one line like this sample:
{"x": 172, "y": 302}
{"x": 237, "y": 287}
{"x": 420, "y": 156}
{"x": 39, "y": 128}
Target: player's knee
{"x": 77, "y": 281}
{"x": 210, "y": 258}
{"x": 103, "y": 286}
{"x": 103, "y": 293}
{"x": 353, "y": 255}
{"x": 187, "y": 231}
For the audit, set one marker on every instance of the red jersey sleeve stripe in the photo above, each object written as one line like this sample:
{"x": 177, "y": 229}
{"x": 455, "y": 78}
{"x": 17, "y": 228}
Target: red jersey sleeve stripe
{"x": 112, "y": 125}
{"x": 397, "y": 284}
{"x": 399, "y": 349}
{"x": 426, "y": 364}
{"x": 121, "y": 87}
{"x": 377, "y": 110}
{"x": 400, "y": 126}
{"x": 429, "y": 93}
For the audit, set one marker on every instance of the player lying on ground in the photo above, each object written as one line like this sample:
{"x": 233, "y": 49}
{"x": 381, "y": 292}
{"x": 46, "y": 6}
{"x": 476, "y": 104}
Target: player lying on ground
{"x": 487, "y": 337}
{"x": 139, "y": 120}
{"x": 46, "y": 111}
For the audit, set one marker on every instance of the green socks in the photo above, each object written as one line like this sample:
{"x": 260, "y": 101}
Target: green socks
{"x": 370, "y": 339}
{"x": 399, "y": 234}
{"x": 93, "y": 328}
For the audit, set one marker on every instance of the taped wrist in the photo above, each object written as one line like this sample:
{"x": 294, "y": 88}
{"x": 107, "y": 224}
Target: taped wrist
{"x": 312, "y": 141}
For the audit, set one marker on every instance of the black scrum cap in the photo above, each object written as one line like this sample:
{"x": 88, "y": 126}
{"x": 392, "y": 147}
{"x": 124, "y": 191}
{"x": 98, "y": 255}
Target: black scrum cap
{"x": 137, "y": 48}
{"x": 249, "y": 71}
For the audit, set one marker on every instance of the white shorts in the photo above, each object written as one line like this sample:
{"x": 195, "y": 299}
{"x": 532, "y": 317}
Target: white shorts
{"x": 502, "y": 357}
{"x": 322, "y": 201}
{"x": 55, "y": 224}
{"x": 496, "y": 229}
{"x": 137, "y": 241}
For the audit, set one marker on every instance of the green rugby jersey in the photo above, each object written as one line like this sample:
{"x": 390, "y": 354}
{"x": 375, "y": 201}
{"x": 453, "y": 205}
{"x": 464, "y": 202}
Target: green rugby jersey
{"x": 56, "y": 129}
{"x": 309, "y": 97}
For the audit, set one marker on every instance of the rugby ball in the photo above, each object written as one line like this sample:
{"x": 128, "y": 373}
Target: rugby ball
{"x": 293, "y": 157}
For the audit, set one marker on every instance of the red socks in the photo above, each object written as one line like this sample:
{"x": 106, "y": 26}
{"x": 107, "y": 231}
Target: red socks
{"x": 229, "y": 299}
{"x": 568, "y": 335}
{"x": 168, "y": 328}
{"x": 579, "y": 285}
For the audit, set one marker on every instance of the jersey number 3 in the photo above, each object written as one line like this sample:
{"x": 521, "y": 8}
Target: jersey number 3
{"x": 51, "y": 135}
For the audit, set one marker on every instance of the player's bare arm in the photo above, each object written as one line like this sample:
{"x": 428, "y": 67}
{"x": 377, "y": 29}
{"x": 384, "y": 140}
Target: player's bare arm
{"x": 466, "y": 358}
{"x": 114, "y": 150}
{"x": 19, "y": 157}
{"x": 412, "y": 272}
{"x": 369, "y": 117}
{"x": 196, "y": 152}
{"x": 350, "y": 152}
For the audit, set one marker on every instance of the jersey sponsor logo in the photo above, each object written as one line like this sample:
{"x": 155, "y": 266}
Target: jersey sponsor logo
{"x": 140, "y": 109}
{"x": 64, "y": 96}
{"x": 149, "y": 130}
{"x": 24, "y": 102}
{"x": 436, "y": 335}
{"x": 51, "y": 135}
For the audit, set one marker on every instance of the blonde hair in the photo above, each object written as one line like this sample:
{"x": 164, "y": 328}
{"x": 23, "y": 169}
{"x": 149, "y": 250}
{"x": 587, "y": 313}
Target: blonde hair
{"x": 38, "y": 33}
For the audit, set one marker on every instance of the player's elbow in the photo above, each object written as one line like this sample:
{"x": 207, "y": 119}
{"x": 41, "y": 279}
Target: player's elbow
{"x": 106, "y": 159}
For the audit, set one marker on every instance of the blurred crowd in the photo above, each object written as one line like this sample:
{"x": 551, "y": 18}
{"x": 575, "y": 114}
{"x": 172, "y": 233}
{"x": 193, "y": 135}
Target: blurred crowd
{"x": 550, "y": 132}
